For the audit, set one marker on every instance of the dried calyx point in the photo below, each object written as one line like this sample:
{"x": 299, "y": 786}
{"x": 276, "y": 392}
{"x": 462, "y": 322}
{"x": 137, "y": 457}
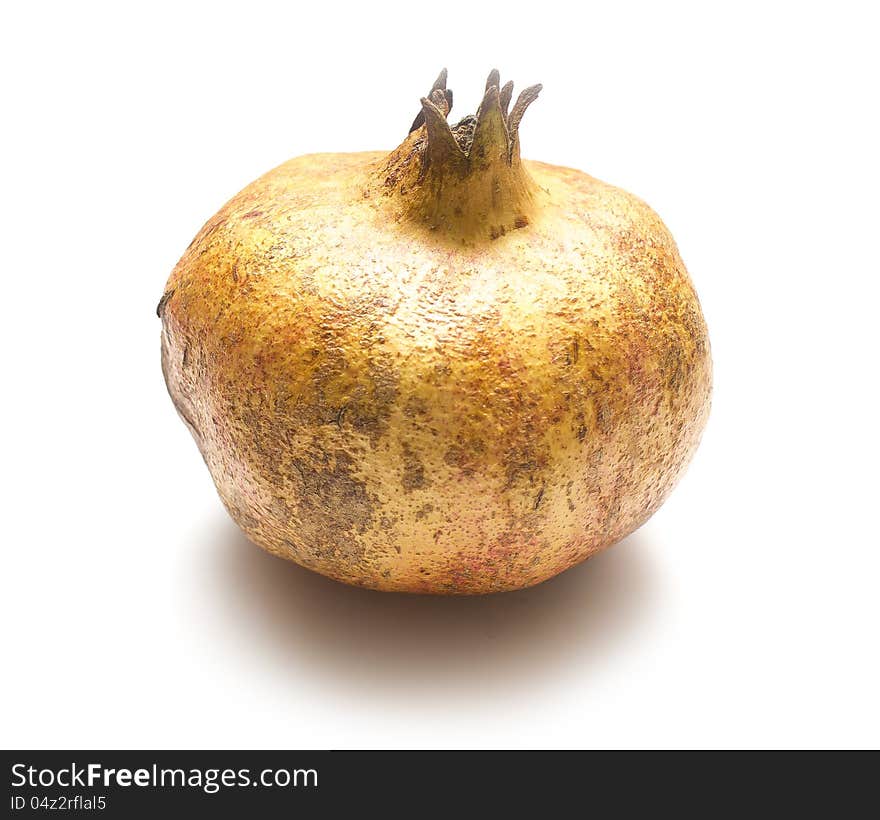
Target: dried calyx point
{"x": 496, "y": 102}
{"x": 466, "y": 178}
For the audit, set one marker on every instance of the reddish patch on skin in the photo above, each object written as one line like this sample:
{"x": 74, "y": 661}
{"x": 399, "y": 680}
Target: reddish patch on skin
{"x": 466, "y": 568}
{"x": 507, "y": 549}
{"x": 502, "y": 561}
{"x": 252, "y": 214}
{"x": 504, "y": 366}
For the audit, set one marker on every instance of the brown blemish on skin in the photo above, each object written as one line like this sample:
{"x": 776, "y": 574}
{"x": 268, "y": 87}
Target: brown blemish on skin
{"x": 413, "y": 471}
{"x": 332, "y": 507}
{"x": 416, "y": 406}
{"x": 540, "y": 496}
{"x": 466, "y": 455}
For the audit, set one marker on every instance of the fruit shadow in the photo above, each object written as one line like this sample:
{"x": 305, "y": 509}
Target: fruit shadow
{"x": 393, "y": 644}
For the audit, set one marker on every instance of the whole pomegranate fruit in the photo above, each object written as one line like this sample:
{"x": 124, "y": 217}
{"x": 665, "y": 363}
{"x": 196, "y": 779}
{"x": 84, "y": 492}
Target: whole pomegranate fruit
{"x": 445, "y": 369}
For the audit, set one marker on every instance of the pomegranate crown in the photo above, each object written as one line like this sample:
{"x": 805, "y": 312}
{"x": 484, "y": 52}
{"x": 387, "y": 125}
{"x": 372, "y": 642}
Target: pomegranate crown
{"x": 473, "y": 135}
{"x": 464, "y": 181}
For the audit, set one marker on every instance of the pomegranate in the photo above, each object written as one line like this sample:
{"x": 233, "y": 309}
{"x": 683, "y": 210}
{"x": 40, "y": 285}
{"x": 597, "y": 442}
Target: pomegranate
{"x": 445, "y": 369}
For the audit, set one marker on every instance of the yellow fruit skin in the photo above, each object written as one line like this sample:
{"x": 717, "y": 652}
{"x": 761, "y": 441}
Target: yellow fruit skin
{"x": 400, "y": 410}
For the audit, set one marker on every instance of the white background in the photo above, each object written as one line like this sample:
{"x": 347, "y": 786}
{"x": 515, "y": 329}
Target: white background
{"x": 745, "y": 613}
